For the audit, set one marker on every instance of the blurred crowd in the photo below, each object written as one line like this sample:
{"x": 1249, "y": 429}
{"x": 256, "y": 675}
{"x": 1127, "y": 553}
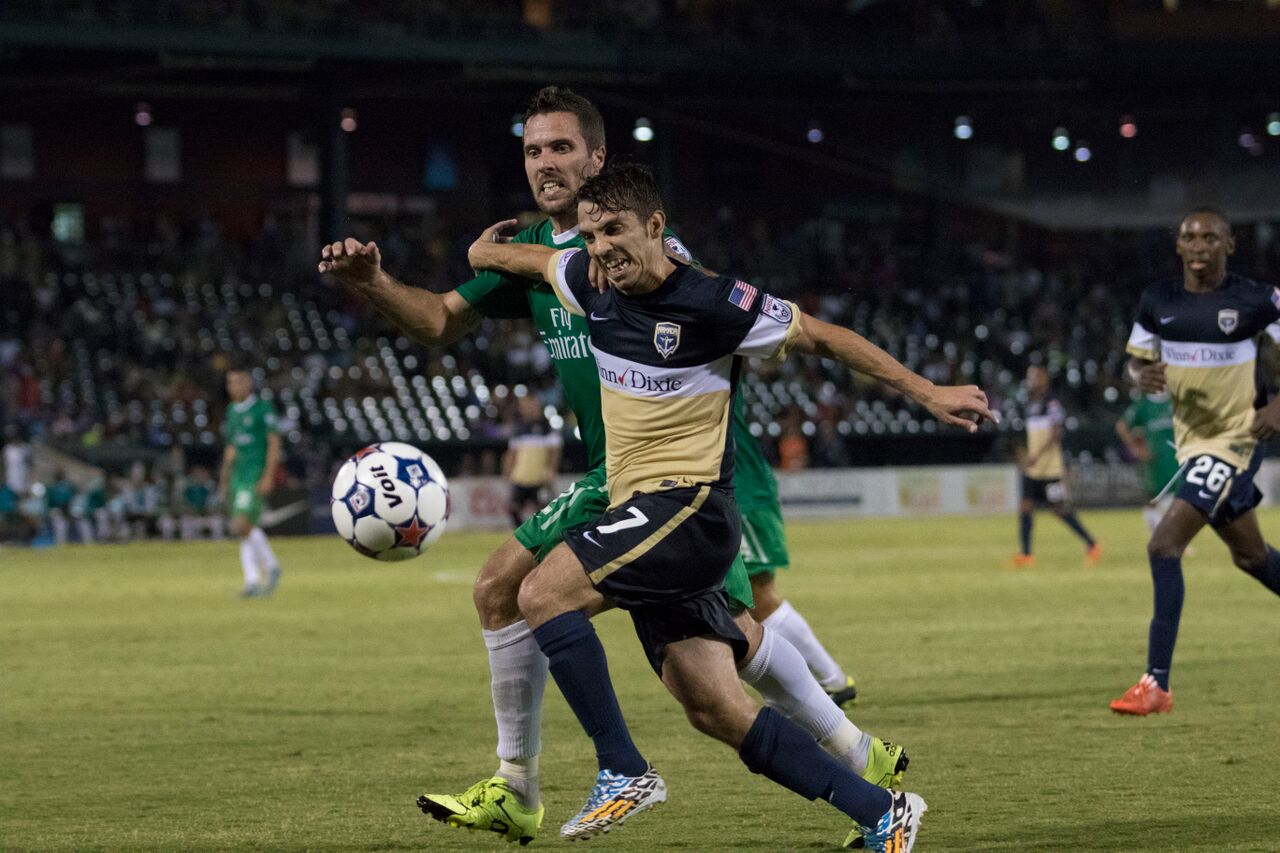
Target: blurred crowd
{"x": 124, "y": 342}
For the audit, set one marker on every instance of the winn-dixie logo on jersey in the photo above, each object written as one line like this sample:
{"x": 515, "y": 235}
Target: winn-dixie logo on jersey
{"x": 632, "y": 378}
{"x": 1182, "y": 354}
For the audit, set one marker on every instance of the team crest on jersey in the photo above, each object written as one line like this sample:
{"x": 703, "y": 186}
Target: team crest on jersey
{"x": 675, "y": 247}
{"x": 777, "y": 309}
{"x": 1228, "y": 319}
{"x": 666, "y": 338}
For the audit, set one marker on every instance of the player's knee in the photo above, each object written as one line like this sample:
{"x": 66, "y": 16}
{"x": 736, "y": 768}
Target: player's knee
{"x": 536, "y": 598}
{"x": 1249, "y": 560}
{"x": 1162, "y": 546}
{"x": 495, "y": 594}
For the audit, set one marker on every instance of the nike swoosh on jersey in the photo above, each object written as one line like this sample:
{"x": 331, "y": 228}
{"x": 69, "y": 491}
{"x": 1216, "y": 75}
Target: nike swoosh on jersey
{"x": 587, "y": 535}
{"x": 1205, "y": 495}
{"x": 272, "y": 517}
{"x": 1164, "y": 321}
{"x": 597, "y": 317}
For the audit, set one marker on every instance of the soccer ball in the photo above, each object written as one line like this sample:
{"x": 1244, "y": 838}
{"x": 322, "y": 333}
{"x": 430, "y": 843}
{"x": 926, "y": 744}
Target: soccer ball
{"x": 390, "y": 501}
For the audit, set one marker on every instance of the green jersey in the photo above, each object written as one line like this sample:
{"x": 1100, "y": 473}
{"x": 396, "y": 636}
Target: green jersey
{"x": 1154, "y": 416}
{"x": 753, "y": 481}
{"x": 246, "y": 427}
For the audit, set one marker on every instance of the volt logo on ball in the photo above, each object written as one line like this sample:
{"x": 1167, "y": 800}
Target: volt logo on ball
{"x": 390, "y": 501}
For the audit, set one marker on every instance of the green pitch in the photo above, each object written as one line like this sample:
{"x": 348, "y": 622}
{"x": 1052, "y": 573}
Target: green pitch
{"x": 144, "y": 707}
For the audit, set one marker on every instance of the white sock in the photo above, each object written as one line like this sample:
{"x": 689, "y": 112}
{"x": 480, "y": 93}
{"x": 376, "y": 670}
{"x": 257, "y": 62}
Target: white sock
{"x": 518, "y": 678}
{"x": 788, "y": 622}
{"x": 249, "y": 563}
{"x": 522, "y": 775}
{"x": 779, "y": 673}
{"x": 262, "y": 550}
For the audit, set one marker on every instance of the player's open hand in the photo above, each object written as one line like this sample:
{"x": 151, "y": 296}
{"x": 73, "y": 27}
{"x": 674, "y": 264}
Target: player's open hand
{"x": 1266, "y": 421}
{"x": 964, "y": 406}
{"x": 1150, "y": 377}
{"x": 354, "y": 263}
{"x": 489, "y": 236}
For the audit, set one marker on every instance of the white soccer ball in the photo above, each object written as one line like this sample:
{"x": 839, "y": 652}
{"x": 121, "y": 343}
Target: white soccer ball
{"x": 390, "y": 501}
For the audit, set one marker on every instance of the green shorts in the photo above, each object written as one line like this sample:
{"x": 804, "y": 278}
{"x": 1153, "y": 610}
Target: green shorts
{"x": 764, "y": 540}
{"x": 245, "y": 501}
{"x": 585, "y": 501}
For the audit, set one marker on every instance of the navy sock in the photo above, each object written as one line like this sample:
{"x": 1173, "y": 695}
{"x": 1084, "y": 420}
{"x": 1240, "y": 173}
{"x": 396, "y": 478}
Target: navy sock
{"x": 1074, "y": 523}
{"x": 1024, "y": 531}
{"x": 581, "y": 672}
{"x": 780, "y": 750}
{"x": 1270, "y": 574}
{"x": 1166, "y": 575}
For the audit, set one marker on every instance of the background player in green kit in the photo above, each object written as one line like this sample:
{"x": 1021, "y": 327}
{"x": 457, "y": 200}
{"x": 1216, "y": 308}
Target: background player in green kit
{"x": 764, "y": 552}
{"x": 248, "y": 474}
{"x": 1147, "y": 431}
{"x": 563, "y": 145}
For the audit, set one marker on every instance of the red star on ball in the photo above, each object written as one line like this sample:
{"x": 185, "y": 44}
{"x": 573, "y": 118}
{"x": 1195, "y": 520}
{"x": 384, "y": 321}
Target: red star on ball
{"x": 412, "y": 534}
{"x": 360, "y": 454}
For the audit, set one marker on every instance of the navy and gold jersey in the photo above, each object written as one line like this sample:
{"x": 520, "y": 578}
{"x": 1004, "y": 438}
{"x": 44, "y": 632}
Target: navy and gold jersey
{"x": 1043, "y": 417}
{"x": 1208, "y": 342}
{"x": 669, "y": 362}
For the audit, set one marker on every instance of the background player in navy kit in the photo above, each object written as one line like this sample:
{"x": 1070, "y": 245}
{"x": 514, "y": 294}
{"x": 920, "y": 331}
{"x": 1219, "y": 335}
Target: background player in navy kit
{"x": 668, "y": 342}
{"x": 1197, "y": 336}
{"x": 532, "y": 459}
{"x": 1042, "y": 468}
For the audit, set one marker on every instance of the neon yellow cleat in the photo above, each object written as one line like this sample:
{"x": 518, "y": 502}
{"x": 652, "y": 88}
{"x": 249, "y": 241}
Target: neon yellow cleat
{"x": 845, "y": 695}
{"x": 489, "y": 805}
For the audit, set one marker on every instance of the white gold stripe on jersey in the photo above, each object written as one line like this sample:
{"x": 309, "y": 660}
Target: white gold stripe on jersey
{"x": 1193, "y": 355}
{"x": 558, "y": 282}
{"x": 647, "y": 380}
{"x": 768, "y": 337}
{"x": 1041, "y": 422}
{"x": 1142, "y": 343}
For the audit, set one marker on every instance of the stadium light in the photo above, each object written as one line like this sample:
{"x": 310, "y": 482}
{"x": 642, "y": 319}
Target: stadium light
{"x": 963, "y": 128}
{"x": 1128, "y": 127}
{"x": 1061, "y": 141}
{"x": 517, "y": 125}
{"x": 643, "y": 131}
{"x": 1083, "y": 154}
{"x": 142, "y": 114}
{"x": 348, "y": 122}
{"x": 814, "y": 134}
{"x": 1273, "y": 124}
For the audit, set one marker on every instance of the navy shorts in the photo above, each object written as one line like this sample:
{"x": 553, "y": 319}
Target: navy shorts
{"x": 1052, "y": 492}
{"x": 662, "y": 557}
{"x": 1217, "y": 489}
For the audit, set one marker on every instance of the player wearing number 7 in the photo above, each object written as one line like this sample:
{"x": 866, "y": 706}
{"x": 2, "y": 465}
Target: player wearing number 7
{"x": 1197, "y": 336}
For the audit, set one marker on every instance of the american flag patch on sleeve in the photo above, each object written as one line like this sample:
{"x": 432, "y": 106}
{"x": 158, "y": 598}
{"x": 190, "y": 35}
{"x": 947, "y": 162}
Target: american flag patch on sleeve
{"x": 743, "y": 295}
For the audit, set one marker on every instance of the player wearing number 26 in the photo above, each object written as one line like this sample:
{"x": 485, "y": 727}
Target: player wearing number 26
{"x": 1198, "y": 337}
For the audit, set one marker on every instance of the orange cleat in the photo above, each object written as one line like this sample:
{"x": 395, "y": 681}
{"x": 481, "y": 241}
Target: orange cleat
{"x": 1094, "y": 555}
{"x": 1144, "y": 698}
{"x": 1023, "y": 561}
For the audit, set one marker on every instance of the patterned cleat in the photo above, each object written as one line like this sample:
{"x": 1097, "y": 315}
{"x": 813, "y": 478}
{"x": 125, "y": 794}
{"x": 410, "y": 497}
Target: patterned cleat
{"x": 273, "y": 580}
{"x": 844, "y": 695}
{"x": 1093, "y": 556}
{"x": 896, "y": 831}
{"x": 886, "y": 765}
{"x": 1023, "y": 561}
{"x": 615, "y": 799}
{"x": 490, "y": 805}
{"x": 1145, "y": 697}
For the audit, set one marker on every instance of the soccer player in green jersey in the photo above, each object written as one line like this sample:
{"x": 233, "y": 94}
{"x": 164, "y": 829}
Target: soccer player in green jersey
{"x": 248, "y": 474}
{"x": 1147, "y": 431}
{"x": 564, "y": 144}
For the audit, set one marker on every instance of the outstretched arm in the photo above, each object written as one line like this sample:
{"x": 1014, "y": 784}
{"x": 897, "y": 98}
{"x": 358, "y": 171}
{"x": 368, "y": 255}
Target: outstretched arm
{"x": 959, "y": 405}
{"x": 491, "y": 252}
{"x": 429, "y": 318}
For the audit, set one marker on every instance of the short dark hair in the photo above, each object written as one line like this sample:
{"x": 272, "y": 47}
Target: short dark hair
{"x": 1206, "y": 210}
{"x": 627, "y": 186}
{"x": 559, "y": 99}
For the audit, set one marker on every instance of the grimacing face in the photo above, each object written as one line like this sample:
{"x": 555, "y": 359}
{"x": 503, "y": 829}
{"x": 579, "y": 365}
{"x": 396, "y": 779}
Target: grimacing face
{"x": 1204, "y": 244}
{"x": 557, "y": 160}
{"x": 239, "y": 385}
{"x": 628, "y": 250}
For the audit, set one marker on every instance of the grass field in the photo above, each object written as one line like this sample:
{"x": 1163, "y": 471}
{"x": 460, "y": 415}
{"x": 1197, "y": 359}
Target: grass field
{"x": 145, "y": 707}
